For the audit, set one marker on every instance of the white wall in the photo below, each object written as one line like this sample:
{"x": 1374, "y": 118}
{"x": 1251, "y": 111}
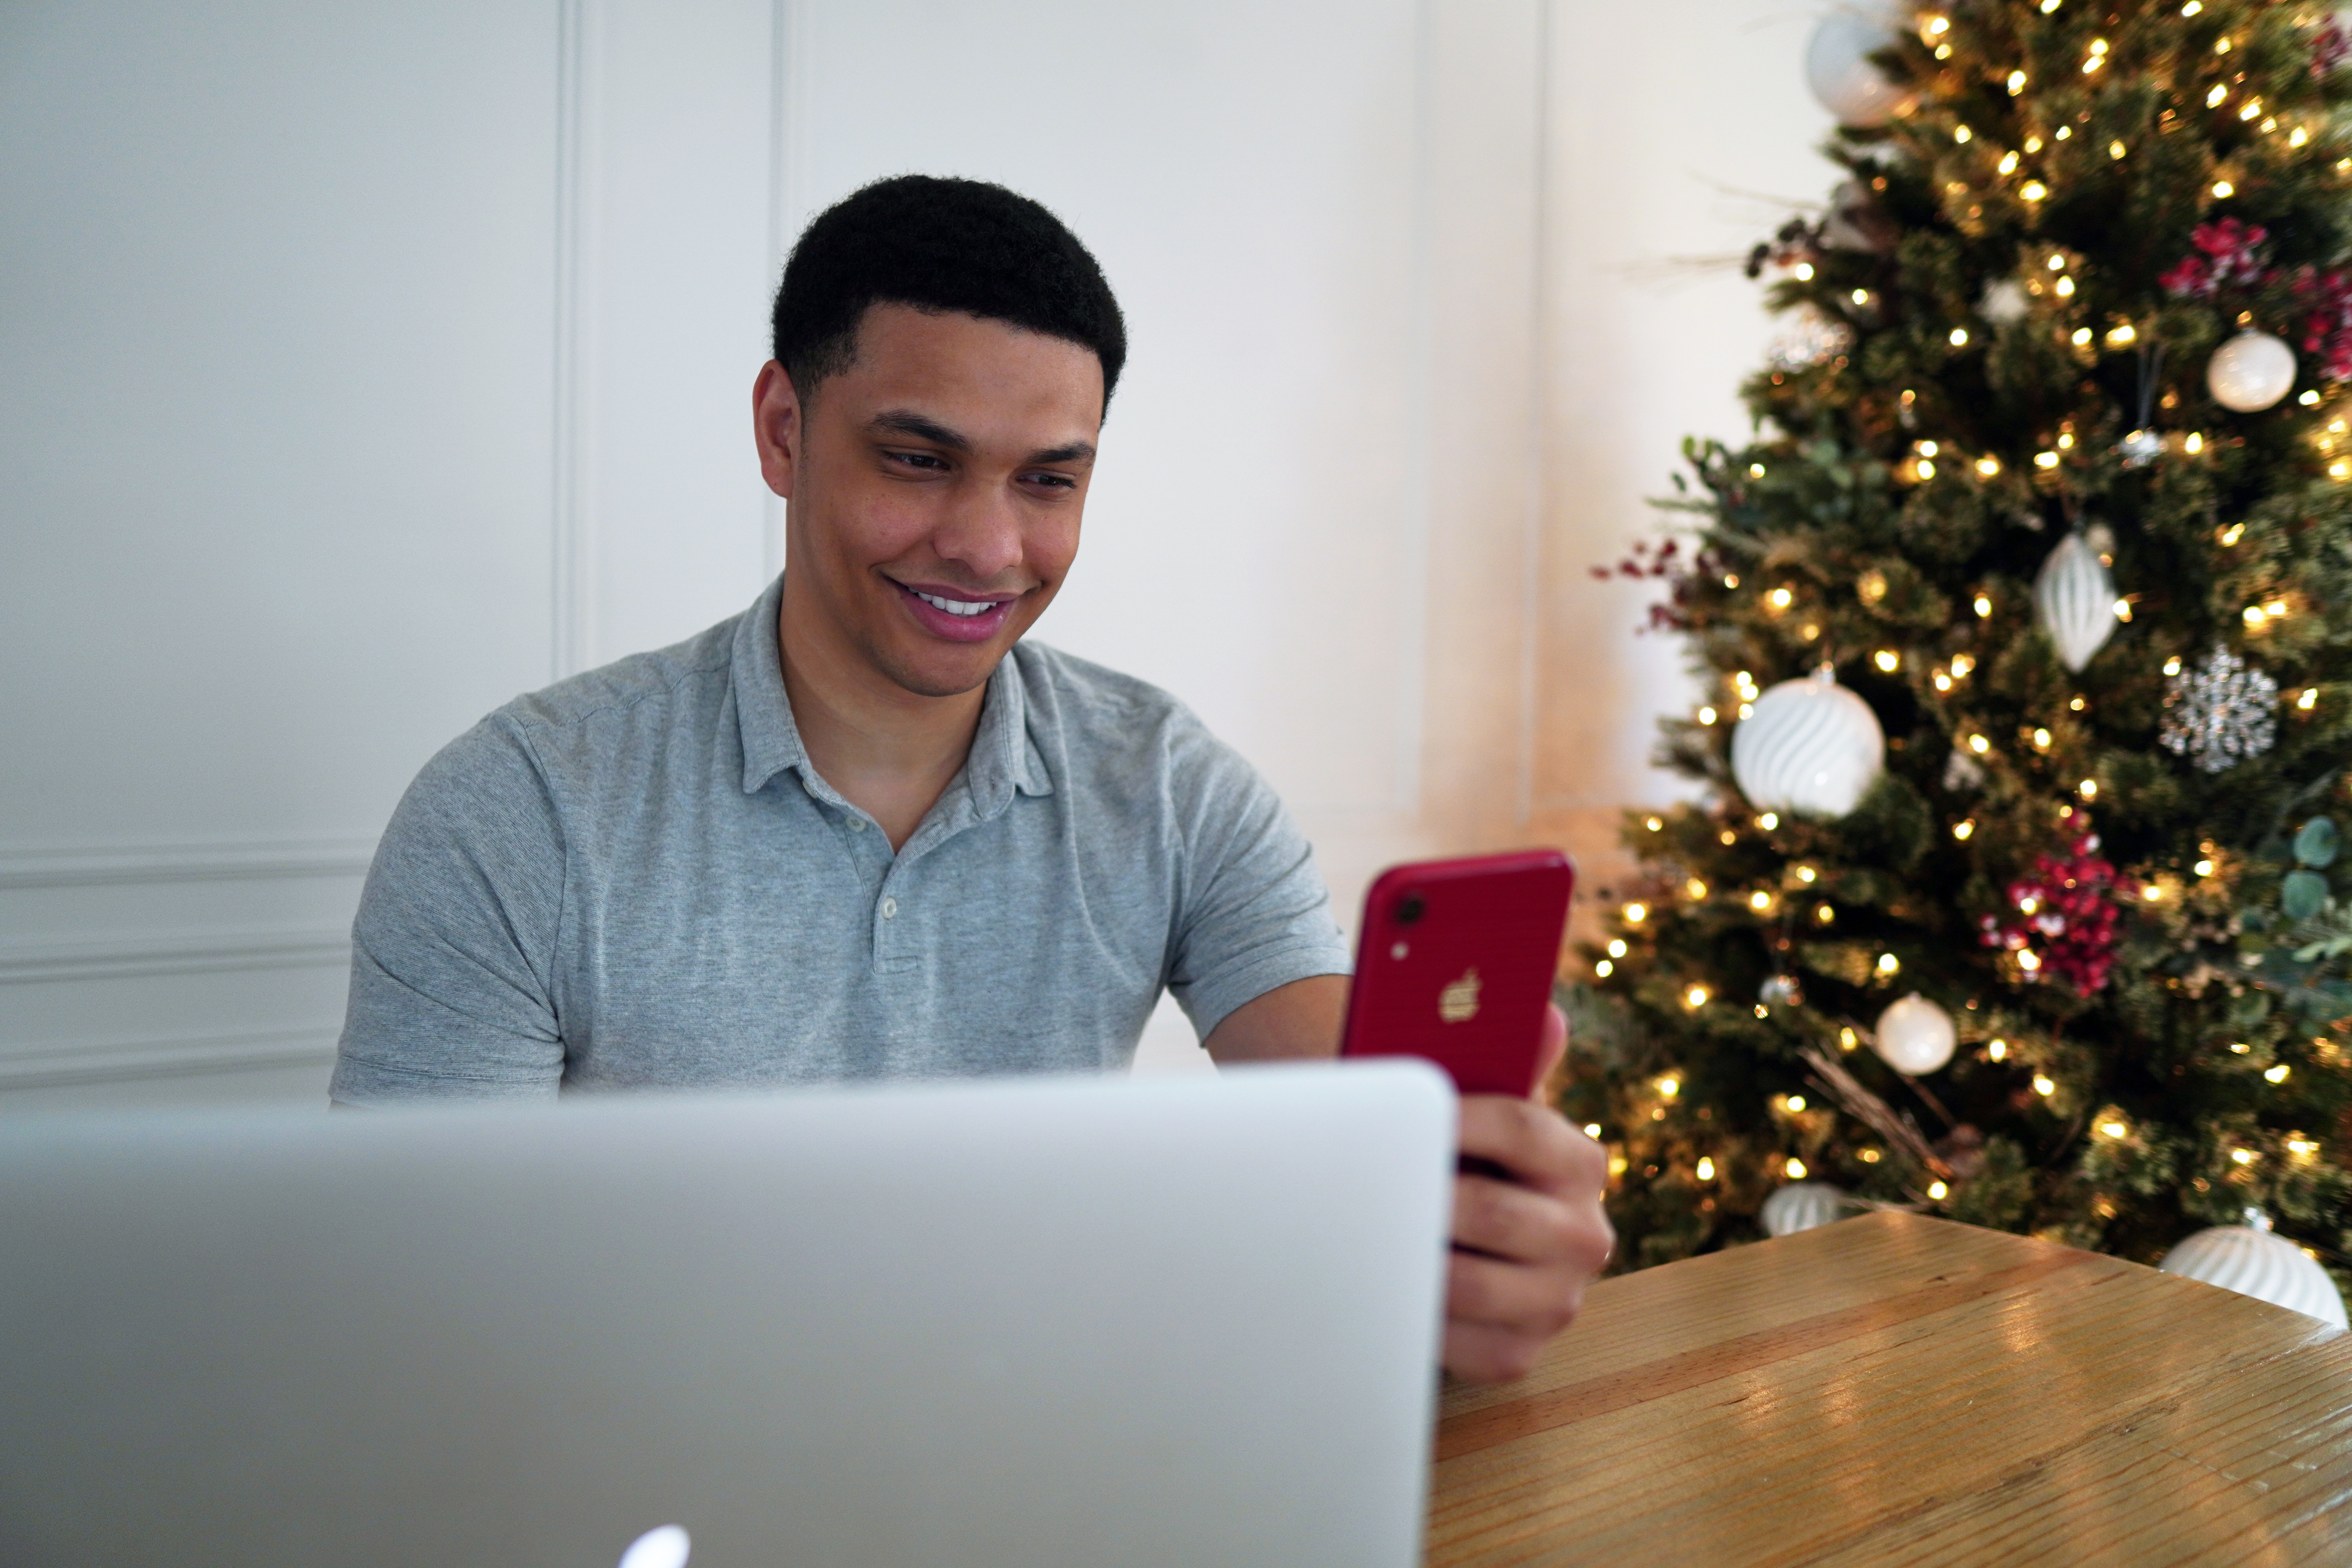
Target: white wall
{"x": 368, "y": 365}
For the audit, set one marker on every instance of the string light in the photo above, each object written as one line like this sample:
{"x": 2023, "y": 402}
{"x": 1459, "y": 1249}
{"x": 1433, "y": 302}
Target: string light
{"x": 2223, "y": 190}
{"x": 2029, "y": 961}
{"x": 1605, "y": 969}
{"x": 2203, "y": 868}
{"x": 1769, "y": 821}
{"x": 2278, "y": 1074}
{"x": 1888, "y": 964}
{"x": 1846, "y": 1039}
{"x": 1696, "y": 997}
{"x": 2016, "y": 83}
{"x": 2040, "y": 740}
{"x": 2193, "y": 443}
{"x": 1636, "y": 913}
{"x": 2309, "y": 698}
{"x": 1962, "y": 829}
{"x": 1988, "y": 466}
{"x": 1759, "y": 901}
{"x": 1868, "y": 1156}
{"x": 1806, "y": 874}
{"x": 1997, "y": 1049}
{"x": 1979, "y": 744}
{"x": 1796, "y": 1169}
{"x": 1617, "y": 947}
{"x": 2239, "y": 1048}
{"x": 2116, "y": 150}
{"x": 2044, "y": 1085}
{"x": 1706, "y": 715}
{"x": 1887, "y": 660}
{"x": 1959, "y": 337}
{"x": 1983, "y": 607}
{"x": 2213, "y": 99}
{"x": 1694, "y": 887}
{"x": 1671, "y": 1086}
{"x": 1593, "y": 1130}
{"x": 2040, "y": 461}
{"x": 1779, "y": 598}
{"x": 2242, "y": 1156}
{"x": 2035, "y": 190}
{"x": 1824, "y": 914}
{"x": 1796, "y": 1103}
{"x": 2114, "y": 1129}
{"x": 1936, "y": 1190}
{"x": 2064, "y": 288}
{"x": 1706, "y": 1169}
{"x": 2008, "y": 165}
{"x": 1653, "y": 823}
{"x": 2172, "y": 666}
{"x": 1961, "y": 664}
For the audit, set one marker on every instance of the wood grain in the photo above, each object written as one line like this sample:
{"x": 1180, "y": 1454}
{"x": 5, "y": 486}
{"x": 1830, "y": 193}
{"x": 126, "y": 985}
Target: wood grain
{"x": 1898, "y": 1389}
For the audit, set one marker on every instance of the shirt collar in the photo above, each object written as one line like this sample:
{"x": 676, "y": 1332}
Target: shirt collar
{"x": 1004, "y": 757}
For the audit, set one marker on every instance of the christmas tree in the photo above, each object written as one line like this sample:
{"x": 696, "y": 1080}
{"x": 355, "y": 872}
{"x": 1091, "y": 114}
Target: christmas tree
{"x": 2025, "y": 631}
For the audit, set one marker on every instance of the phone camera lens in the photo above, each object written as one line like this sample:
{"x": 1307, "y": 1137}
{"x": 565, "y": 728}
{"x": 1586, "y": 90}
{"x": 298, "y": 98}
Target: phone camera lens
{"x": 1409, "y": 909}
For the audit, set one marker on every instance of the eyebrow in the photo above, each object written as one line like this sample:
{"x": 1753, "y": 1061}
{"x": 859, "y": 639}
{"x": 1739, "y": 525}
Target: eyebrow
{"x": 907, "y": 422}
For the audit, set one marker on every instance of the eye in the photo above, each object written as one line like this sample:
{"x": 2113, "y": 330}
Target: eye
{"x": 1053, "y": 480}
{"x": 924, "y": 461}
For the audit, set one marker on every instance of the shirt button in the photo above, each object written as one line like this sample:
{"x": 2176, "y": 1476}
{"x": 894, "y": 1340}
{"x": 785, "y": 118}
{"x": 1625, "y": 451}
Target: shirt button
{"x": 889, "y": 908}
{"x": 857, "y": 825}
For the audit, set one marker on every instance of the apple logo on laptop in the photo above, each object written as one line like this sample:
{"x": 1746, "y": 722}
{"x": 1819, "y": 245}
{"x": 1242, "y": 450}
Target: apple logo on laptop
{"x": 664, "y": 1546}
{"x": 1458, "y": 1001}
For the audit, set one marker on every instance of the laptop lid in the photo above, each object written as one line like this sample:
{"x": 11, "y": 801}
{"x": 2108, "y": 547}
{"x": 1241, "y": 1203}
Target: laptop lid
{"x": 1176, "y": 1321}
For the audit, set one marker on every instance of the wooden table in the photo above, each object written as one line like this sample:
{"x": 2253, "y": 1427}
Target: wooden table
{"x": 1893, "y": 1389}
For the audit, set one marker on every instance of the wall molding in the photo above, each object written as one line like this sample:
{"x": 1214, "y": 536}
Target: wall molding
{"x": 571, "y": 536}
{"x": 122, "y": 957}
{"x": 168, "y": 1056}
{"x": 191, "y": 860}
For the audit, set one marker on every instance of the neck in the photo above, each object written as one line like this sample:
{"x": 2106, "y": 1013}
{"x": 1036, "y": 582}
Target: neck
{"x": 886, "y": 750}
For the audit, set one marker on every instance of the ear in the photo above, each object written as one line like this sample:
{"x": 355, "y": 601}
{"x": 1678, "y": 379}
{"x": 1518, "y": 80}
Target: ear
{"x": 776, "y": 427}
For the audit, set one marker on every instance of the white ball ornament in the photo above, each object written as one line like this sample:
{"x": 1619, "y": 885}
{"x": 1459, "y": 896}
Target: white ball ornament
{"x": 1915, "y": 1036}
{"x": 1839, "y": 69}
{"x": 2250, "y": 372}
{"x": 2250, "y": 1260}
{"x": 2074, "y": 600}
{"x": 1808, "y": 745}
{"x": 1801, "y": 1206}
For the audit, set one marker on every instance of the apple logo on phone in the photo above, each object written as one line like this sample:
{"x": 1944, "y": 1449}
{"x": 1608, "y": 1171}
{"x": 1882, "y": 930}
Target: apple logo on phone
{"x": 1458, "y": 1001}
{"x": 664, "y": 1546}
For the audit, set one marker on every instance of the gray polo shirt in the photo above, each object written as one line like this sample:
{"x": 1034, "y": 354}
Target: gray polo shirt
{"x": 636, "y": 878}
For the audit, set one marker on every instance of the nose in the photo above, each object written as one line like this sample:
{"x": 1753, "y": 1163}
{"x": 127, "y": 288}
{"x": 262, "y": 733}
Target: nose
{"x": 980, "y": 532}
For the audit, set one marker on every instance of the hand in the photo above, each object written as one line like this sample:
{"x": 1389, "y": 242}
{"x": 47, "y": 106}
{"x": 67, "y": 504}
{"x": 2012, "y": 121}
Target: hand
{"x": 1525, "y": 1249}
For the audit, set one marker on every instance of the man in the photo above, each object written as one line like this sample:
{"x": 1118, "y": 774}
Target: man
{"x": 866, "y": 831}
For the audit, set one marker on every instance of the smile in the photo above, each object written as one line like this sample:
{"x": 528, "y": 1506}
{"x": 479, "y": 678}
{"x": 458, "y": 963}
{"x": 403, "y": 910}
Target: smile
{"x": 953, "y": 619}
{"x": 956, "y": 606}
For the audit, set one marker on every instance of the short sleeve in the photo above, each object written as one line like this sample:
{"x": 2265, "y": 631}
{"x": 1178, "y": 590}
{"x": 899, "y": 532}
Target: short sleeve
{"x": 453, "y": 950}
{"x": 1254, "y": 914}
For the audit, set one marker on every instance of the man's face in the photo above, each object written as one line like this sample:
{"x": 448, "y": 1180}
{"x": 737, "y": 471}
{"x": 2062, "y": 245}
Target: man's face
{"x": 935, "y": 487}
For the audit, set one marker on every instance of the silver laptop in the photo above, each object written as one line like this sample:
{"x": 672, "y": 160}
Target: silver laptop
{"x": 1119, "y": 1321}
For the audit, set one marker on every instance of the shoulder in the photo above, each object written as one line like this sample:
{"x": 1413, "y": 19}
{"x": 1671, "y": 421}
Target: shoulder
{"x": 644, "y": 686}
{"x": 1120, "y": 733}
{"x": 1089, "y": 710}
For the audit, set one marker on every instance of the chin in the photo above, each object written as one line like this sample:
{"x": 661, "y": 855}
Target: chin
{"x": 949, "y": 675}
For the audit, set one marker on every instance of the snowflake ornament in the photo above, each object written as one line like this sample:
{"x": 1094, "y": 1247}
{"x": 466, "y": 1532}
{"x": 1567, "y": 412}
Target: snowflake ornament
{"x": 2221, "y": 711}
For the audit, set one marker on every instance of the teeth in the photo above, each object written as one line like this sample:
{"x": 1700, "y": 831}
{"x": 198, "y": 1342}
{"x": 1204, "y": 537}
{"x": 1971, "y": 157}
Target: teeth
{"x": 952, "y": 606}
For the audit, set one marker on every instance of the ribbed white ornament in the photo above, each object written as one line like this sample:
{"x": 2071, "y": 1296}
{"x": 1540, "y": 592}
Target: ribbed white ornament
{"x": 1915, "y": 1036}
{"x": 2074, "y": 601}
{"x": 2252, "y": 1261}
{"x": 1808, "y": 745}
{"x": 1801, "y": 1206}
{"x": 2250, "y": 372}
{"x": 1838, "y": 68}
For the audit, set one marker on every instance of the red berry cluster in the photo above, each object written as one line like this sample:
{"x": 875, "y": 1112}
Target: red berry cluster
{"x": 2227, "y": 253}
{"x": 2328, "y": 297}
{"x": 2064, "y": 915}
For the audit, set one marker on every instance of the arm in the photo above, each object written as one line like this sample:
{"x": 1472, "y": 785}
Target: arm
{"x": 1524, "y": 1250}
{"x": 453, "y": 949}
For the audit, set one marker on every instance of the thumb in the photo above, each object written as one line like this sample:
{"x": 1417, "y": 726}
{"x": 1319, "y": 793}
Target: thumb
{"x": 1554, "y": 1047}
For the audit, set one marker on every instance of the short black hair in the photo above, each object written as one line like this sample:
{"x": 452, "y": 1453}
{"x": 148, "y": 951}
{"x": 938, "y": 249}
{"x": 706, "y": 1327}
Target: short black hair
{"x": 938, "y": 244}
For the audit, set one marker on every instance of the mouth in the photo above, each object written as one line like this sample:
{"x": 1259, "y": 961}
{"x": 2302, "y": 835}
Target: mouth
{"x": 943, "y": 613}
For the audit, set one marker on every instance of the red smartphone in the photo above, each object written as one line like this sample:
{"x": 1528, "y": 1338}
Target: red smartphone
{"x": 1455, "y": 963}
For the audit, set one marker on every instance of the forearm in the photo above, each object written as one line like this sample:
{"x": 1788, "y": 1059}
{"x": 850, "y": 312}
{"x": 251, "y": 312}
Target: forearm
{"x": 1298, "y": 1021}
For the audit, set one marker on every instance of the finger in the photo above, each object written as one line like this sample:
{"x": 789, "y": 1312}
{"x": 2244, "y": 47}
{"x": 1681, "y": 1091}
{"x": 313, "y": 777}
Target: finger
{"x": 1534, "y": 1144}
{"x": 1554, "y": 1047}
{"x": 1531, "y": 1301}
{"x": 1504, "y": 1219}
{"x": 1481, "y": 1352}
